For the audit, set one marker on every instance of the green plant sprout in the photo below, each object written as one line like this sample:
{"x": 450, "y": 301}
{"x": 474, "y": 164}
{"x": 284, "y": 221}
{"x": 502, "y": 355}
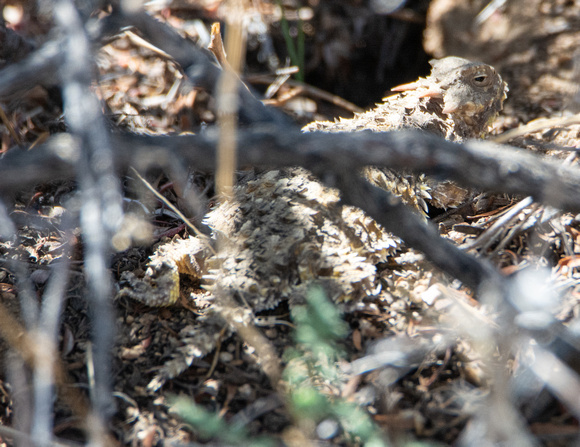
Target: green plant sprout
{"x": 314, "y": 377}
{"x": 211, "y": 426}
{"x": 295, "y": 51}
{"x": 312, "y": 381}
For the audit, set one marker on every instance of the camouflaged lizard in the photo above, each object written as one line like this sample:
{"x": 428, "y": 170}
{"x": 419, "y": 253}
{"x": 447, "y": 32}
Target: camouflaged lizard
{"x": 285, "y": 230}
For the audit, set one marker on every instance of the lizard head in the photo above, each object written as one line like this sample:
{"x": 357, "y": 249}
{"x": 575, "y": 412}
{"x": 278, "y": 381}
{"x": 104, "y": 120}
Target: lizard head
{"x": 472, "y": 92}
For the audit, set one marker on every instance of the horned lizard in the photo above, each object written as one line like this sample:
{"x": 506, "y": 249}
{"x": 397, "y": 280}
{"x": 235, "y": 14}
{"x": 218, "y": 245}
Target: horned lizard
{"x": 284, "y": 230}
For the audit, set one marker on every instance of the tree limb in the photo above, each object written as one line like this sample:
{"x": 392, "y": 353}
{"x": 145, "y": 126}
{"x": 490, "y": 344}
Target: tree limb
{"x": 477, "y": 165}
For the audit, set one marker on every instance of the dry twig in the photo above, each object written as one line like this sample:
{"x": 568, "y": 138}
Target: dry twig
{"x": 309, "y": 90}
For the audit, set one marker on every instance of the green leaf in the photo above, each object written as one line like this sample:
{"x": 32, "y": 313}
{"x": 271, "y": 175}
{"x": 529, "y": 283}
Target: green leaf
{"x": 309, "y": 403}
{"x": 210, "y": 425}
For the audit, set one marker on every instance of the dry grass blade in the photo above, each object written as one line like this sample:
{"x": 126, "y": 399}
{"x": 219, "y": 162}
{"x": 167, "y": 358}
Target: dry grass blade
{"x": 309, "y": 90}
{"x": 535, "y": 126}
{"x": 171, "y": 207}
{"x": 228, "y": 103}
{"x": 216, "y": 46}
{"x": 139, "y": 41}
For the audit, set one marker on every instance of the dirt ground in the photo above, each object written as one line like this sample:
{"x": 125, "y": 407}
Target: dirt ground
{"x": 452, "y": 367}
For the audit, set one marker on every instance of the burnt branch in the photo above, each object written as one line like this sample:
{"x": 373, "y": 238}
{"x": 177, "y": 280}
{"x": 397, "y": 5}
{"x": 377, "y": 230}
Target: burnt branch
{"x": 477, "y": 165}
{"x": 336, "y": 158}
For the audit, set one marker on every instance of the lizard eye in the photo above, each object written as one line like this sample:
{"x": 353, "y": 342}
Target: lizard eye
{"x": 481, "y": 78}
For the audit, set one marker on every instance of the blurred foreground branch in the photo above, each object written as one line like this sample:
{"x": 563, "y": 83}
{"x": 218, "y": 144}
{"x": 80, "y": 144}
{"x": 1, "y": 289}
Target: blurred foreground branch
{"x": 335, "y": 158}
{"x": 478, "y": 165}
{"x": 101, "y": 209}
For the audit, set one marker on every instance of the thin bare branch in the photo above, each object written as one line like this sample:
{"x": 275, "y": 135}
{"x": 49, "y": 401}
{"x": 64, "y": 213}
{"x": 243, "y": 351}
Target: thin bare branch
{"x": 101, "y": 208}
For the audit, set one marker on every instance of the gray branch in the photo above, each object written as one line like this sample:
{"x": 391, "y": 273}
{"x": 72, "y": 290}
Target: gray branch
{"x": 335, "y": 158}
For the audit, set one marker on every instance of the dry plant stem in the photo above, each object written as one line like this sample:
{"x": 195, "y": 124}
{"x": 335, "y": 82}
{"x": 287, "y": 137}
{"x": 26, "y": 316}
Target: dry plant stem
{"x": 227, "y": 96}
{"x": 234, "y": 316}
{"x": 216, "y": 46}
{"x": 489, "y": 235}
{"x": 309, "y": 90}
{"x": 227, "y": 122}
{"x": 139, "y": 41}
{"x": 275, "y": 86}
{"x": 227, "y": 100}
{"x": 514, "y": 231}
{"x": 326, "y": 96}
{"x": 535, "y": 126}
{"x": 229, "y": 85}
{"x": 269, "y": 360}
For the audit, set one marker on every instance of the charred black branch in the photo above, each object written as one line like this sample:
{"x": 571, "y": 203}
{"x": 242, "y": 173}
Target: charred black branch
{"x": 477, "y": 165}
